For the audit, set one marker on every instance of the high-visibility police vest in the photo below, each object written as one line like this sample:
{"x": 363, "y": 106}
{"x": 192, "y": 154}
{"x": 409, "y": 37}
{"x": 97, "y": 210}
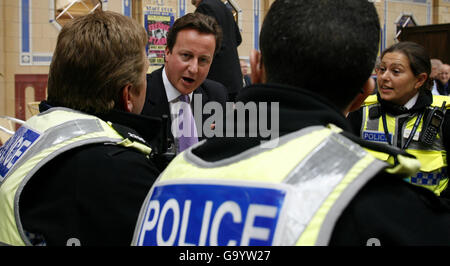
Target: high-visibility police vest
{"x": 39, "y": 140}
{"x": 433, "y": 171}
{"x": 291, "y": 194}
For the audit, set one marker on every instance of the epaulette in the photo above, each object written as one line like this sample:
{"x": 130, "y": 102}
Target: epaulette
{"x": 371, "y": 99}
{"x": 438, "y": 100}
{"x": 128, "y": 133}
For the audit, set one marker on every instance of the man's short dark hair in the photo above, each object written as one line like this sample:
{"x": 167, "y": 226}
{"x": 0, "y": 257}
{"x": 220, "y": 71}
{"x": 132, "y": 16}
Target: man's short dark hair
{"x": 197, "y": 21}
{"x": 326, "y": 46}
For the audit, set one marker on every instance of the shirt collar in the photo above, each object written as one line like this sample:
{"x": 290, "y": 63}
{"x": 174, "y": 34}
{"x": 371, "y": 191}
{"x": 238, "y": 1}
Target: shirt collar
{"x": 171, "y": 92}
{"x": 411, "y": 102}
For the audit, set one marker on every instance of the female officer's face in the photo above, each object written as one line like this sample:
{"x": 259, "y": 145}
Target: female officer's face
{"x": 396, "y": 81}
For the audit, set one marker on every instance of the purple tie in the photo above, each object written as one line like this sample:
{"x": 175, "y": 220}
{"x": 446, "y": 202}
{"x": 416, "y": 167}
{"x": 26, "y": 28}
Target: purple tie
{"x": 188, "y": 134}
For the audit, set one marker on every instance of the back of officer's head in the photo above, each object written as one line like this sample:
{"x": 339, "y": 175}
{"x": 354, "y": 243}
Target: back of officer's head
{"x": 96, "y": 56}
{"x": 326, "y": 46}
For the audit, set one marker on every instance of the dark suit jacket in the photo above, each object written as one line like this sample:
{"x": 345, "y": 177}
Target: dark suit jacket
{"x": 225, "y": 67}
{"x": 247, "y": 81}
{"x": 443, "y": 89}
{"x": 157, "y": 105}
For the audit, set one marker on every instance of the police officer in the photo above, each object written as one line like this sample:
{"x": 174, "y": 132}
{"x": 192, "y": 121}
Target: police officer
{"x": 405, "y": 114}
{"x": 76, "y": 174}
{"x": 314, "y": 185}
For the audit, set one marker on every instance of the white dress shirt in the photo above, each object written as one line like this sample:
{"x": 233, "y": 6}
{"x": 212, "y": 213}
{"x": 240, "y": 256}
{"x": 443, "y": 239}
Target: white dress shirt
{"x": 172, "y": 97}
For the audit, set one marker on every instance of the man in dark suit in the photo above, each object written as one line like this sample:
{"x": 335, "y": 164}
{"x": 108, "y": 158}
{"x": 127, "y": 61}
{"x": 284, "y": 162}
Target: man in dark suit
{"x": 246, "y": 80}
{"x": 225, "y": 67}
{"x": 174, "y": 90}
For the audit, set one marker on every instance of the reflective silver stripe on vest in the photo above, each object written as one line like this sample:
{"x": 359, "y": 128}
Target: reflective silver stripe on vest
{"x": 56, "y": 135}
{"x": 51, "y": 137}
{"x": 317, "y": 176}
{"x": 415, "y": 144}
{"x": 372, "y": 124}
{"x": 38, "y": 166}
{"x": 344, "y": 200}
{"x": 332, "y": 158}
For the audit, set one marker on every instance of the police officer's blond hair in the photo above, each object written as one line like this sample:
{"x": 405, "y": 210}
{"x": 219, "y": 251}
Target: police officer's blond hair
{"x": 95, "y": 57}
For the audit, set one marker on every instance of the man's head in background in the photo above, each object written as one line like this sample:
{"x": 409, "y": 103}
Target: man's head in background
{"x": 435, "y": 65}
{"x": 244, "y": 67}
{"x": 444, "y": 73}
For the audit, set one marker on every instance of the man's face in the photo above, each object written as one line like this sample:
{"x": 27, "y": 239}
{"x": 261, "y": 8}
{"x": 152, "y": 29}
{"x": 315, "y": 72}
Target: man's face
{"x": 187, "y": 65}
{"x": 158, "y": 34}
{"x": 434, "y": 71}
{"x": 444, "y": 74}
{"x": 244, "y": 67}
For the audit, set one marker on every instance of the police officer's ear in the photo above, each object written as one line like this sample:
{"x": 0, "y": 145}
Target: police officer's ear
{"x": 126, "y": 100}
{"x": 258, "y": 74}
{"x": 420, "y": 80}
{"x": 368, "y": 88}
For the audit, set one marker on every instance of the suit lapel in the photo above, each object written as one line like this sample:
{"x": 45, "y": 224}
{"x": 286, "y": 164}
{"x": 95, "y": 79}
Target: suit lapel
{"x": 156, "y": 98}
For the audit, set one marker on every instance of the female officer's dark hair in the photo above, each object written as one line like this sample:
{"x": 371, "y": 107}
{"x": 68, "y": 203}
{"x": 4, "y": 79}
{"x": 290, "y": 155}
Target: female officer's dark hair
{"x": 303, "y": 46}
{"x": 197, "y": 21}
{"x": 419, "y": 59}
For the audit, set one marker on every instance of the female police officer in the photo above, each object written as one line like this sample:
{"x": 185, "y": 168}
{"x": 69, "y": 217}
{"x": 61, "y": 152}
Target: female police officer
{"x": 405, "y": 114}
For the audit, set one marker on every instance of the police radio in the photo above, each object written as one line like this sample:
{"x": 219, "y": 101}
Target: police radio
{"x": 432, "y": 124}
{"x": 163, "y": 152}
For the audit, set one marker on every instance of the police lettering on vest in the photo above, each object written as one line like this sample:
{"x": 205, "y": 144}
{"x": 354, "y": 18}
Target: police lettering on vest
{"x": 278, "y": 202}
{"x": 28, "y": 150}
{"x": 376, "y": 136}
{"x": 433, "y": 172}
{"x": 205, "y": 214}
{"x": 14, "y": 148}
